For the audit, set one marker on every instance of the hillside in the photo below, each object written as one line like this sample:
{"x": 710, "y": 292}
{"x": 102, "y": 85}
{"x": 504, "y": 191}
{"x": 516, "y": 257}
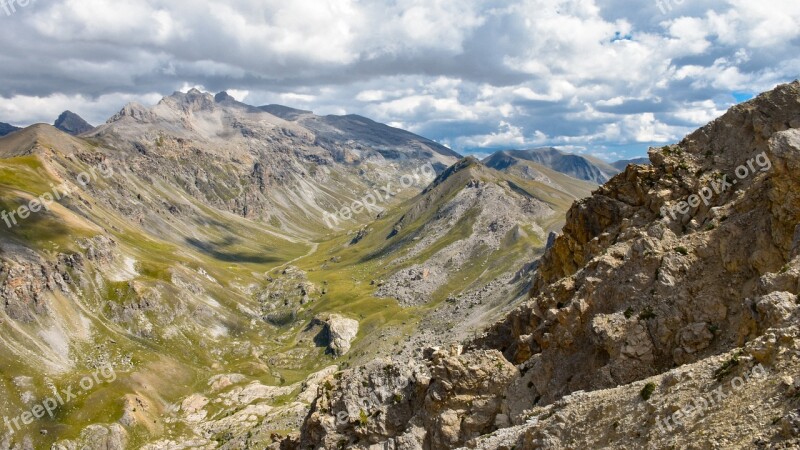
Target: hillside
{"x": 215, "y": 227}
{"x": 676, "y": 322}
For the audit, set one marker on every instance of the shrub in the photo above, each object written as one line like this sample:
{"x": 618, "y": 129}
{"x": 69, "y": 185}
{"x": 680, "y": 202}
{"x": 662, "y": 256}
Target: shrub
{"x": 281, "y": 318}
{"x": 647, "y": 314}
{"x": 727, "y": 367}
{"x": 628, "y": 313}
{"x": 647, "y": 391}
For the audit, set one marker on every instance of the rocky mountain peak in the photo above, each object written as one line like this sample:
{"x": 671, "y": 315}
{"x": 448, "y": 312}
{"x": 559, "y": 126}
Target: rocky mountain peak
{"x": 71, "y": 123}
{"x": 135, "y": 111}
{"x": 467, "y": 164}
{"x": 223, "y": 97}
{"x": 192, "y": 101}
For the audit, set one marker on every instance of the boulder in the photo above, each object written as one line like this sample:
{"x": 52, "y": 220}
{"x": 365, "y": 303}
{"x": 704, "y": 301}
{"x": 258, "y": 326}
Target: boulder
{"x": 337, "y": 333}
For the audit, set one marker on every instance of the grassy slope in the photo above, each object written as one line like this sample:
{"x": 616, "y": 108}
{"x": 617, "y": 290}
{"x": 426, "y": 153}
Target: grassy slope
{"x": 355, "y": 266}
{"x": 241, "y": 252}
{"x": 24, "y": 177}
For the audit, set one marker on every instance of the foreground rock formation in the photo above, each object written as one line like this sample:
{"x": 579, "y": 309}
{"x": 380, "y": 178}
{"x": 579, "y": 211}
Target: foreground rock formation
{"x": 672, "y": 282}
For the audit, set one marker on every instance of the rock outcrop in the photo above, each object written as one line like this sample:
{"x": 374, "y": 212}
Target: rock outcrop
{"x": 337, "y": 333}
{"x": 439, "y": 402}
{"x": 691, "y": 262}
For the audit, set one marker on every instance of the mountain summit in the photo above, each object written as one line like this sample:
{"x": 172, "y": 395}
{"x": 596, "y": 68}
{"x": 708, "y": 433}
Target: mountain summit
{"x": 71, "y": 123}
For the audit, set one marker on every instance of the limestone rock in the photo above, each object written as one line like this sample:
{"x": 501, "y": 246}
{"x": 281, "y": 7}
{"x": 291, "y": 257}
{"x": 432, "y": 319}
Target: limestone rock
{"x": 337, "y": 333}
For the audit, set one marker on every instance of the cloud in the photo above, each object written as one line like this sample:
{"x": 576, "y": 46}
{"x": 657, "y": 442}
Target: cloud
{"x": 604, "y": 75}
{"x": 507, "y": 136}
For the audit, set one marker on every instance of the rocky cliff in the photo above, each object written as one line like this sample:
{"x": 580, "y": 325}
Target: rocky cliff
{"x": 670, "y": 282}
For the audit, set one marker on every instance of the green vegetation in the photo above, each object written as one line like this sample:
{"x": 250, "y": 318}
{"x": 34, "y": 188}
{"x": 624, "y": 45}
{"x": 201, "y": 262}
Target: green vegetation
{"x": 727, "y": 367}
{"x": 647, "y": 391}
{"x": 628, "y": 313}
{"x": 183, "y": 275}
{"x": 647, "y": 314}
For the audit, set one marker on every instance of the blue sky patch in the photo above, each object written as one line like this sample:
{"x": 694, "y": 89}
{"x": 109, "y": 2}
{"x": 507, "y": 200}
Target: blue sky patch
{"x": 742, "y": 96}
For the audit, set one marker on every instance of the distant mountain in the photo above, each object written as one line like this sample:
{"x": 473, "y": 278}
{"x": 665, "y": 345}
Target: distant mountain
{"x": 285, "y": 112}
{"x": 7, "y": 129}
{"x": 623, "y": 164}
{"x": 388, "y": 141}
{"x": 255, "y": 163}
{"x": 576, "y": 166}
{"x": 71, "y": 123}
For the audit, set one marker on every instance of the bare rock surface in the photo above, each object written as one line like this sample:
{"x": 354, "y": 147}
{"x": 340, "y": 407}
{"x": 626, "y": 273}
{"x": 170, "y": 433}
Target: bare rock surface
{"x": 337, "y": 333}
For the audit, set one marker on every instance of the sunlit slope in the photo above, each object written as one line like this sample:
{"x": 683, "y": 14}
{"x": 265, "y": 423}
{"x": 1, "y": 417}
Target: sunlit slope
{"x": 122, "y": 271}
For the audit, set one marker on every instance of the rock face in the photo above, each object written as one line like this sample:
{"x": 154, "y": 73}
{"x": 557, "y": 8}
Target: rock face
{"x": 437, "y": 403}
{"x": 691, "y": 262}
{"x": 337, "y": 333}
{"x": 630, "y": 290}
{"x": 71, "y": 123}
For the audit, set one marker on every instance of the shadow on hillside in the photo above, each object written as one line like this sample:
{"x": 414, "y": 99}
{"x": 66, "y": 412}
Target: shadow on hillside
{"x": 216, "y": 250}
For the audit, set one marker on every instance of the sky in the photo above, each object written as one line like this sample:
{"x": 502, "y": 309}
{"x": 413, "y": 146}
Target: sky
{"x": 602, "y": 77}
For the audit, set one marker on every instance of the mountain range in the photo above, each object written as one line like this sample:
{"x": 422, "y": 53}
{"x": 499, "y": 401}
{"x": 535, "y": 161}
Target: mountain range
{"x": 333, "y": 282}
{"x": 270, "y": 244}
{"x": 529, "y": 163}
